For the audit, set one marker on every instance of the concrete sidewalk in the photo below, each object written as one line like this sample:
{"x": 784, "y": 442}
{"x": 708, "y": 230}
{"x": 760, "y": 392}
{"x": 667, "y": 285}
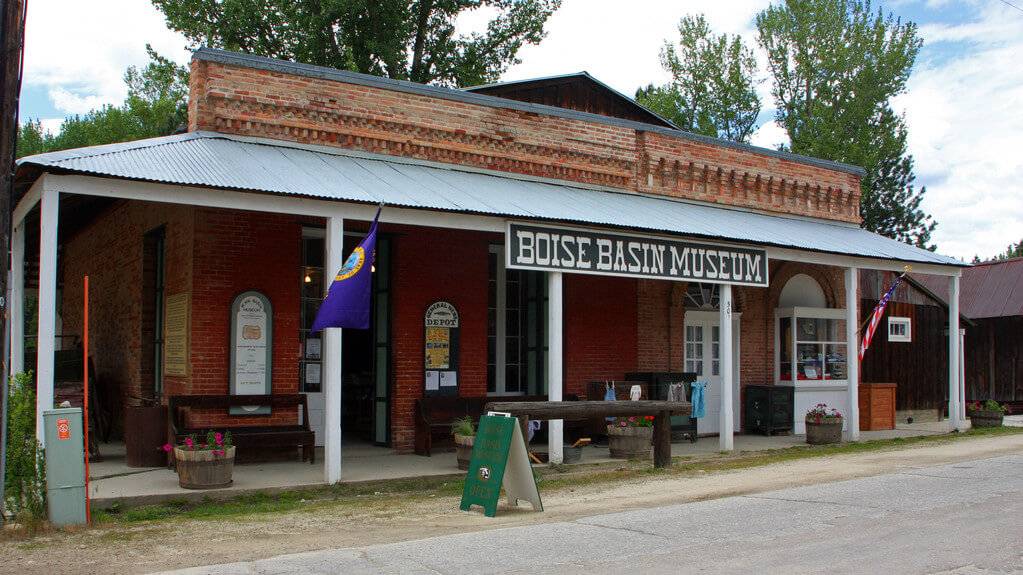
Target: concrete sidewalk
{"x": 958, "y": 518}
{"x": 112, "y": 481}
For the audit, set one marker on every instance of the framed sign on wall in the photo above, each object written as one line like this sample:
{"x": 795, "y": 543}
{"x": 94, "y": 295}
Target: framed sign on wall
{"x": 251, "y": 349}
{"x": 441, "y": 324}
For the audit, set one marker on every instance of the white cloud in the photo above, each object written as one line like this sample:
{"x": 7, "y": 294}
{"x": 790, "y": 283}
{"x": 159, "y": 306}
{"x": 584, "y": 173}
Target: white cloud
{"x": 770, "y": 135}
{"x": 51, "y": 125}
{"x": 619, "y": 44}
{"x": 79, "y": 51}
{"x": 966, "y": 132}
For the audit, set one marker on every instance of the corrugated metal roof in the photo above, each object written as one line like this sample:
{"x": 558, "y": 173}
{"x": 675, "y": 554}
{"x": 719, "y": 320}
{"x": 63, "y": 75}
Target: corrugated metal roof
{"x": 234, "y": 162}
{"x": 989, "y": 289}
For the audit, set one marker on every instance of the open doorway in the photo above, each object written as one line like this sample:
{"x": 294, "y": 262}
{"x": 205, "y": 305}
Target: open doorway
{"x": 365, "y": 361}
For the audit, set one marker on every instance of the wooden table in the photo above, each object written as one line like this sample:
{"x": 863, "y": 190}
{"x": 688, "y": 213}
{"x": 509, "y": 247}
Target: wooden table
{"x": 547, "y": 410}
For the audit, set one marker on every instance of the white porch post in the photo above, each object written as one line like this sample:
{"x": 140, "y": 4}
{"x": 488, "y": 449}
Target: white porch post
{"x": 953, "y": 354}
{"x": 333, "y": 260}
{"x": 725, "y": 421}
{"x": 17, "y": 303}
{"x": 852, "y": 352}
{"x": 962, "y": 375}
{"x": 48, "y": 219}
{"x": 555, "y": 310}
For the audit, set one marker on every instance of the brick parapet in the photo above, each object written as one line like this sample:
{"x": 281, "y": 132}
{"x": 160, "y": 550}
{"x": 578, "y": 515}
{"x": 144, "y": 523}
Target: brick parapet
{"x": 256, "y": 102}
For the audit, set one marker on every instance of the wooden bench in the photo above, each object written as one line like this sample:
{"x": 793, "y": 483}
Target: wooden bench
{"x": 251, "y": 437}
{"x": 434, "y": 415}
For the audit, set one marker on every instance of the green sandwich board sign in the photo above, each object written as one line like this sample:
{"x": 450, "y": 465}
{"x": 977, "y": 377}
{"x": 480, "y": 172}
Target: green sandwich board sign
{"x": 499, "y": 459}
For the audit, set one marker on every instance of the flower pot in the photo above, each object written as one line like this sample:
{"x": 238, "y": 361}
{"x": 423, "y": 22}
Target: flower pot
{"x": 985, "y": 418}
{"x": 463, "y": 450}
{"x": 630, "y": 442}
{"x": 823, "y": 433}
{"x": 202, "y": 469}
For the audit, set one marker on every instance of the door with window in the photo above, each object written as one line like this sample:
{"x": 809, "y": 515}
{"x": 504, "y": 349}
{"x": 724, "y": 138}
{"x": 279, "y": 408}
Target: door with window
{"x": 516, "y": 334}
{"x": 703, "y": 357}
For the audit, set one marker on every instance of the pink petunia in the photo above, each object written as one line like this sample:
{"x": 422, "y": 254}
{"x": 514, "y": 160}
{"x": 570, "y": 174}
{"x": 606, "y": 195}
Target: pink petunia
{"x": 189, "y": 443}
{"x": 167, "y": 447}
{"x": 219, "y": 438}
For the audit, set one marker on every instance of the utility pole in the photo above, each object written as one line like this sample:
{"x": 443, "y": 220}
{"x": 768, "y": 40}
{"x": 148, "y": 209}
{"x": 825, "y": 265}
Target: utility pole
{"x": 12, "y": 44}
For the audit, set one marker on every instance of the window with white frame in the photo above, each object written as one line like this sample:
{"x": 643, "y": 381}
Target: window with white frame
{"x": 900, "y": 329}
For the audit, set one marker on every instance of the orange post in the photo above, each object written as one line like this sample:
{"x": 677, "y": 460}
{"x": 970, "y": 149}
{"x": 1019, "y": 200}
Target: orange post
{"x": 85, "y": 390}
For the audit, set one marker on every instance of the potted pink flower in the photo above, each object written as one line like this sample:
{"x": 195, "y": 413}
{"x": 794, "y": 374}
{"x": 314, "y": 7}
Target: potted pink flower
{"x": 631, "y": 437}
{"x": 204, "y": 465}
{"x": 823, "y": 425}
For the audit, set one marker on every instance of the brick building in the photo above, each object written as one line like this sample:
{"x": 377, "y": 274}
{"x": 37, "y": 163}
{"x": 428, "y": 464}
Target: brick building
{"x": 665, "y": 251}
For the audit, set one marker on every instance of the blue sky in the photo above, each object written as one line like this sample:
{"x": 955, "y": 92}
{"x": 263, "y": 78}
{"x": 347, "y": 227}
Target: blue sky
{"x": 964, "y": 104}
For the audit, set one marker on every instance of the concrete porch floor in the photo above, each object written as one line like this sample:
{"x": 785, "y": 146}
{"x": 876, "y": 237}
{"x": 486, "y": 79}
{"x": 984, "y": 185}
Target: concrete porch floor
{"x": 113, "y": 481}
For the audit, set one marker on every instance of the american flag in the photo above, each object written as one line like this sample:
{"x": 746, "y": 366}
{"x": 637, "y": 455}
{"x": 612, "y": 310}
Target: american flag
{"x": 875, "y": 317}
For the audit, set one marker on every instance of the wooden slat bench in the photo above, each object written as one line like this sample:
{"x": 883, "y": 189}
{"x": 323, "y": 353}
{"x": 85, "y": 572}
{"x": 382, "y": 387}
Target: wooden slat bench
{"x": 247, "y": 438}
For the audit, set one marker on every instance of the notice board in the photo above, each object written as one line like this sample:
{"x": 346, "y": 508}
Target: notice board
{"x": 499, "y": 459}
{"x": 440, "y": 347}
{"x": 176, "y": 331}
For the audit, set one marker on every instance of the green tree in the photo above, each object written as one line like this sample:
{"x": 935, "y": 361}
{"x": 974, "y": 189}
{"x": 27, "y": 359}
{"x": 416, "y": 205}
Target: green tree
{"x": 1013, "y": 251}
{"x": 836, "y": 64}
{"x": 156, "y": 105}
{"x": 405, "y": 39}
{"x": 712, "y": 91}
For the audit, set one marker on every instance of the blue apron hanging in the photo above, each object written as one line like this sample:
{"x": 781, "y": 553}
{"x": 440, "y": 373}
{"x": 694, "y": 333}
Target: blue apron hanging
{"x": 699, "y": 405}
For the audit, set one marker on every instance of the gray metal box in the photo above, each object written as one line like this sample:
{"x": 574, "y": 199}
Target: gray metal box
{"x": 65, "y": 466}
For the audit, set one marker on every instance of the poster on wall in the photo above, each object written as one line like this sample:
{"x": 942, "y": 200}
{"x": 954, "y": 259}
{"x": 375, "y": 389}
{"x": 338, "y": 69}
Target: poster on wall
{"x": 251, "y": 349}
{"x": 175, "y": 334}
{"x": 441, "y": 323}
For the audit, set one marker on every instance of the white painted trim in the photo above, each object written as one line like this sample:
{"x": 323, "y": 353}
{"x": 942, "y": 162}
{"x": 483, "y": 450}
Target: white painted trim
{"x": 555, "y": 355}
{"x": 726, "y": 417}
{"x": 265, "y": 202}
{"x": 953, "y": 354}
{"x": 17, "y": 308}
{"x": 332, "y": 342}
{"x": 49, "y": 217}
{"x": 257, "y": 202}
{"x": 852, "y": 354}
{"x": 29, "y": 200}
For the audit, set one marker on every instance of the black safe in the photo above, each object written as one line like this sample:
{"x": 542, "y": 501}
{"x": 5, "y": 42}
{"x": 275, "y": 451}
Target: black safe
{"x": 769, "y": 408}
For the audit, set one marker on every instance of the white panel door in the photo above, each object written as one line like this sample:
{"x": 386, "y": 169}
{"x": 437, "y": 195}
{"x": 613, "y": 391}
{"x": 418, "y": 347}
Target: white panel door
{"x": 703, "y": 357}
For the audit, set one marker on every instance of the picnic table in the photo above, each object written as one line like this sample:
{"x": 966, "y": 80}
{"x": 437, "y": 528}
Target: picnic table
{"x": 547, "y": 410}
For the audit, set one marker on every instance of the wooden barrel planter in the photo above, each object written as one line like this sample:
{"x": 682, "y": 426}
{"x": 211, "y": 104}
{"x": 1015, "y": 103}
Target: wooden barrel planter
{"x": 985, "y": 418}
{"x": 463, "y": 450}
{"x": 823, "y": 433}
{"x": 630, "y": 442}
{"x": 202, "y": 469}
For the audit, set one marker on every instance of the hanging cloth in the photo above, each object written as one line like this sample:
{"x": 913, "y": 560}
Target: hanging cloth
{"x": 609, "y": 395}
{"x": 699, "y": 405}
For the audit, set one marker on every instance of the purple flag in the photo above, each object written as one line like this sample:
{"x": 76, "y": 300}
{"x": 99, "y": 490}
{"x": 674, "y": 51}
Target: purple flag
{"x": 348, "y": 300}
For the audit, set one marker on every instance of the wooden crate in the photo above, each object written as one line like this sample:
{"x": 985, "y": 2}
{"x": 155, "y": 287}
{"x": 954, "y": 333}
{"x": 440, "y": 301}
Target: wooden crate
{"x": 877, "y": 406}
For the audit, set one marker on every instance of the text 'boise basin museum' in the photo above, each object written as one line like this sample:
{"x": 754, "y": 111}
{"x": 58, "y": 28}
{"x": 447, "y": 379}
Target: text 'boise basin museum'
{"x": 561, "y": 234}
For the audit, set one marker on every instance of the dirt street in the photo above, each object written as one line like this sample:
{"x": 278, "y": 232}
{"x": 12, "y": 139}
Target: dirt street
{"x": 179, "y": 543}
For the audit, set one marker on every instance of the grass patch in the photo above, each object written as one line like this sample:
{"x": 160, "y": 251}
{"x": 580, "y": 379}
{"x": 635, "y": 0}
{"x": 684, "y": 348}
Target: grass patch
{"x": 368, "y": 495}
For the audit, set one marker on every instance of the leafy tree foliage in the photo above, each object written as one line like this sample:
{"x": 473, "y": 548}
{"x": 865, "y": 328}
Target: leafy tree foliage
{"x": 836, "y": 64}
{"x": 712, "y": 91}
{"x": 405, "y": 39}
{"x": 1013, "y": 251}
{"x": 156, "y": 106}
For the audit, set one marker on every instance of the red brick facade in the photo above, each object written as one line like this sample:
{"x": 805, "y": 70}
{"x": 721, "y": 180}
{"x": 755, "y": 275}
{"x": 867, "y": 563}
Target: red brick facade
{"x": 255, "y": 102}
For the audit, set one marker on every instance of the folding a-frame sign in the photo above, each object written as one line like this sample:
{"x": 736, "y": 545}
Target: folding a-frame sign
{"x": 499, "y": 458}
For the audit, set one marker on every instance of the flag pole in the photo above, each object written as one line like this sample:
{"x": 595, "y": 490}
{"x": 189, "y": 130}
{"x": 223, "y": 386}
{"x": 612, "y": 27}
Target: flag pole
{"x": 85, "y": 393}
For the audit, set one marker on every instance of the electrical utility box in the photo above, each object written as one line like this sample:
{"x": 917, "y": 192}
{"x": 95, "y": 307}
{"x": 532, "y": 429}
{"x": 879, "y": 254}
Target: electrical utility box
{"x": 65, "y": 466}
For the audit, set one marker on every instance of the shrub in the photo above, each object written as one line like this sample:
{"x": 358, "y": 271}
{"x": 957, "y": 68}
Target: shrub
{"x": 25, "y": 484}
{"x": 989, "y": 405}
{"x": 821, "y": 413}
{"x": 464, "y": 426}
